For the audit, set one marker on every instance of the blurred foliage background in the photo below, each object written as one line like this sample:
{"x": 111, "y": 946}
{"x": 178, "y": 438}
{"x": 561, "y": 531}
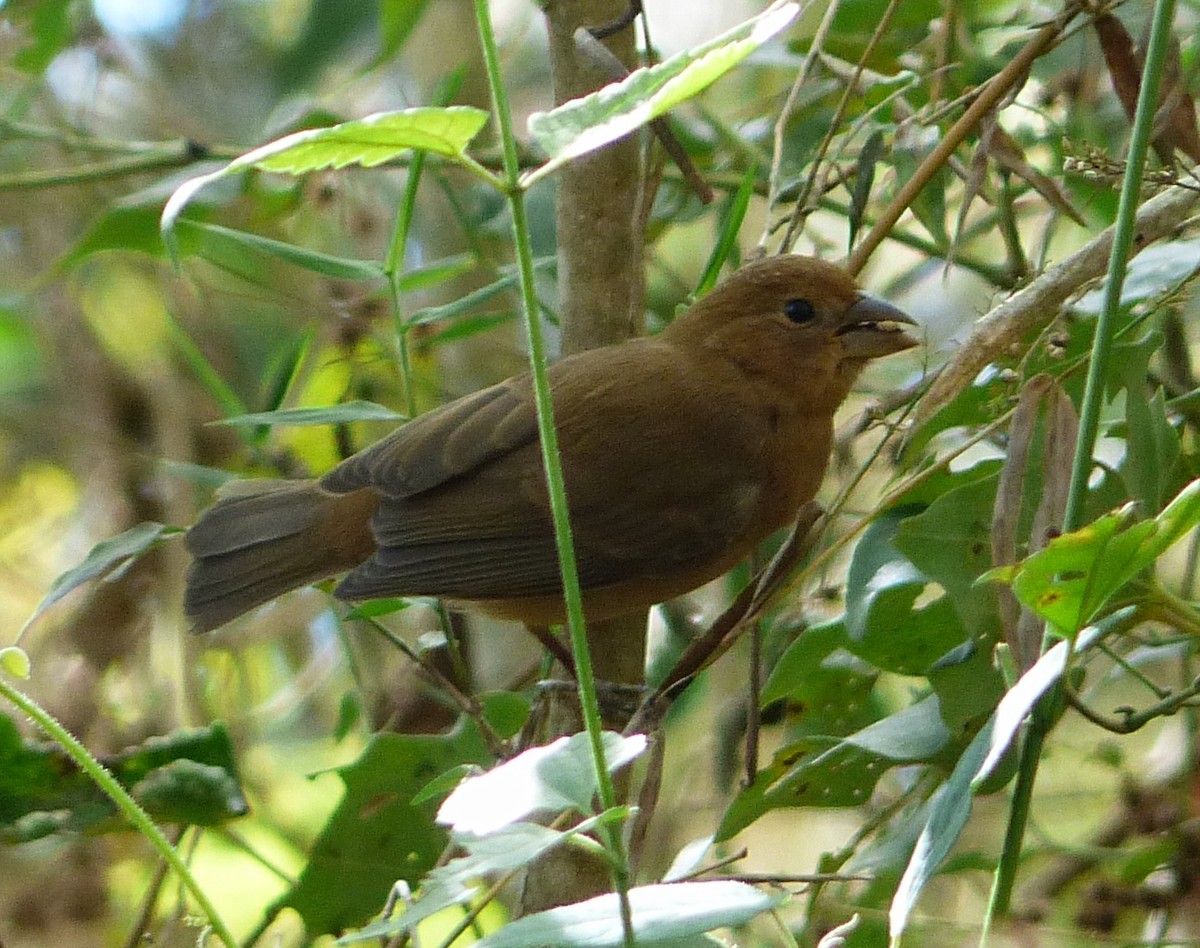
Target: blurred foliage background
{"x": 113, "y": 368}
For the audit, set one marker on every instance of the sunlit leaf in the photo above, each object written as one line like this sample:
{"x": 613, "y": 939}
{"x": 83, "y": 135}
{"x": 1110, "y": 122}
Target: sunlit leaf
{"x": 659, "y": 912}
{"x": 558, "y": 776}
{"x": 583, "y": 125}
{"x": 377, "y": 834}
{"x": 365, "y": 142}
{"x": 1069, "y": 581}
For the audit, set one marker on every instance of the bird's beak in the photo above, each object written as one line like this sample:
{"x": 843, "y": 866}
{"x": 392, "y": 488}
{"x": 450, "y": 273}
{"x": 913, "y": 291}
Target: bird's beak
{"x": 872, "y": 329}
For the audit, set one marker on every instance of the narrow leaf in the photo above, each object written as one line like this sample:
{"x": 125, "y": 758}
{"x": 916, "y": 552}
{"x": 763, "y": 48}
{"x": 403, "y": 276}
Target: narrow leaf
{"x": 214, "y": 238}
{"x": 1015, "y": 706}
{"x": 105, "y": 557}
{"x": 308, "y": 417}
{"x": 947, "y": 817}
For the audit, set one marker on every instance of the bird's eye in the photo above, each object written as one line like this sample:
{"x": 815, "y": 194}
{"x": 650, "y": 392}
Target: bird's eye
{"x": 799, "y": 311}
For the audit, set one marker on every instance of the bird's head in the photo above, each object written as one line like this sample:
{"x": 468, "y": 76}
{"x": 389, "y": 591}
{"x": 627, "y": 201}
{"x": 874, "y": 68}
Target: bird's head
{"x": 795, "y": 320}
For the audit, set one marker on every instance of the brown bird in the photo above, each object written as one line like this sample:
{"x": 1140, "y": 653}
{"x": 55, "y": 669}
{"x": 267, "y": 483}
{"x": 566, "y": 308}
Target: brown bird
{"x": 680, "y": 453}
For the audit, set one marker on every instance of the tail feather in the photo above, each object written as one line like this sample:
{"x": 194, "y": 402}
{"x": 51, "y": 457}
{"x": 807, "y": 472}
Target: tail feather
{"x": 263, "y": 538}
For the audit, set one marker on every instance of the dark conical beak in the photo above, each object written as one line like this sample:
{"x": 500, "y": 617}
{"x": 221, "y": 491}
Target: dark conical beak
{"x": 873, "y": 328}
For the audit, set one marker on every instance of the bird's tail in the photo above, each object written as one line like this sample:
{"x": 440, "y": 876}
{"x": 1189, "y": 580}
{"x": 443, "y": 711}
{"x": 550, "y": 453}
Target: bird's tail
{"x": 265, "y": 537}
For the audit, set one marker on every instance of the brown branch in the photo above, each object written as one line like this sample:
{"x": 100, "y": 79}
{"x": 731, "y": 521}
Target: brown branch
{"x": 989, "y": 97}
{"x": 1037, "y": 304}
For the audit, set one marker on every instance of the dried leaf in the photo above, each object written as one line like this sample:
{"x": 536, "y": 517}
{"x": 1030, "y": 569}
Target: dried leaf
{"x": 1175, "y": 124}
{"x": 1009, "y": 156}
{"x": 1007, "y": 511}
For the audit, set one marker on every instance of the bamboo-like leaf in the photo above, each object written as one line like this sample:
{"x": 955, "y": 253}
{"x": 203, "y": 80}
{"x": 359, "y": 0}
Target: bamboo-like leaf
{"x": 103, "y": 559}
{"x": 308, "y": 417}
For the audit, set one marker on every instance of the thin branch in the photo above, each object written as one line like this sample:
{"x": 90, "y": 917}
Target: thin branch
{"x": 989, "y": 97}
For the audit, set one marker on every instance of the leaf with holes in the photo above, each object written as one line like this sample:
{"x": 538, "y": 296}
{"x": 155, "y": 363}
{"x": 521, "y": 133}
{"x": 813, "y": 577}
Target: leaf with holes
{"x": 821, "y": 772}
{"x": 887, "y": 625}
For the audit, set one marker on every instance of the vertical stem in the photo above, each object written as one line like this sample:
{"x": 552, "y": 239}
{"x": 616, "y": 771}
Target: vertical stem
{"x": 1089, "y": 422}
{"x": 394, "y": 266}
{"x": 552, "y": 461}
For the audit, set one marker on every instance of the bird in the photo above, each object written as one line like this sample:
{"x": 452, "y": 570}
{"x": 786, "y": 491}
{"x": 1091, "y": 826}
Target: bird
{"x": 681, "y": 452}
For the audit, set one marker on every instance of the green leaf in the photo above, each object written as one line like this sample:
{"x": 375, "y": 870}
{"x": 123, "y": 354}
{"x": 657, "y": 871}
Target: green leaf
{"x": 187, "y": 777}
{"x": 49, "y": 24}
{"x": 947, "y": 816}
{"x": 585, "y": 124}
{"x": 816, "y": 771}
{"x": 1074, "y": 576}
{"x": 369, "y": 141}
{"x": 397, "y": 18}
{"x": 951, "y": 805}
{"x": 374, "y": 608}
{"x": 659, "y": 912}
{"x": 505, "y": 711}
{"x": 910, "y": 149}
{"x": 968, "y": 685}
{"x": 553, "y": 778}
{"x": 1157, "y": 269}
{"x": 349, "y": 714}
{"x": 465, "y": 304}
{"x": 366, "y": 142}
{"x": 190, "y": 793}
{"x": 456, "y": 883}
{"x": 864, "y": 178}
{"x": 1151, "y": 467}
{"x": 442, "y": 784}
{"x": 377, "y": 835}
{"x": 732, "y": 215}
{"x": 885, "y": 625}
{"x": 217, "y": 243}
{"x": 1029, "y": 688}
{"x": 104, "y": 558}
{"x": 816, "y": 666}
{"x": 342, "y": 414}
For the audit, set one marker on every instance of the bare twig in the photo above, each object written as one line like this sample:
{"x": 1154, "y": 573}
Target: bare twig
{"x": 799, "y": 212}
{"x": 814, "y": 51}
{"x": 989, "y": 96}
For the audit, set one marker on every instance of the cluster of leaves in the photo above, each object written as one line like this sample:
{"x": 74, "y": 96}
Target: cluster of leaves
{"x": 927, "y": 601}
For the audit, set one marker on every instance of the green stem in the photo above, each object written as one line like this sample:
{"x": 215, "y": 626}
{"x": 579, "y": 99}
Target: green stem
{"x": 1089, "y": 423}
{"x": 394, "y": 267}
{"x": 552, "y": 461}
{"x": 124, "y": 802}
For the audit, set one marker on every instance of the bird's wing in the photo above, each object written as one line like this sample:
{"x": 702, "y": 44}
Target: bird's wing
{"x": 443, "y": 444}
{"x": 472, "y": 520}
